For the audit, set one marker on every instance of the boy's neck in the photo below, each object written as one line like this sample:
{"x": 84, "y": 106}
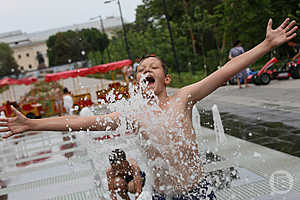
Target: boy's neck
{"x": 163, "y": 98}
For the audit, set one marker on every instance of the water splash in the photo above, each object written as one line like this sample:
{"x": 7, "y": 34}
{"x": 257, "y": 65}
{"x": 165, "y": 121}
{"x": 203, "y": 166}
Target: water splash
{"x": 2, "y": 114}
{"x": 218, "y": 126}
{"x": 86, "y": 112}
{"x": 196, "y": 119}
{"x": 163, "y": 146}
{"x": 8, "y": 151}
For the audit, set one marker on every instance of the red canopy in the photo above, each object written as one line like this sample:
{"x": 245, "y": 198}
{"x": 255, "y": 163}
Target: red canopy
{"x": 11, "y": 81}
{"x": 111, "y": 66}
{"x": 85, "y": 71}
{"x": 7, "y": 81}
{"x": 67, "y": 74}
{"x": 26, "y": 81}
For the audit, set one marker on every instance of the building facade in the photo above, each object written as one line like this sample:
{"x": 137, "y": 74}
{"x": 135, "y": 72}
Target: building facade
{"x": 26, "y": 55}
{"x": 30, "y": 49}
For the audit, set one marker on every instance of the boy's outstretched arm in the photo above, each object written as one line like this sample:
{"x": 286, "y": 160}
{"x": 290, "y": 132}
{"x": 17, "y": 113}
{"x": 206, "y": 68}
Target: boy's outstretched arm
{"x": 274, "y": 38}
{"x": 20, "y": 123}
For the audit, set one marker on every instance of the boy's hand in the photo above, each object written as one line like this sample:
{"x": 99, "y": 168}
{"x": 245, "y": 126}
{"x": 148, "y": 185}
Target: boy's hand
{"x": 15, "y": 125}
{"x": 284, "y": 33}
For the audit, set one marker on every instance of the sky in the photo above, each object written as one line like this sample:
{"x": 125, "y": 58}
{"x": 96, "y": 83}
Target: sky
{"x": 33, "y": 15}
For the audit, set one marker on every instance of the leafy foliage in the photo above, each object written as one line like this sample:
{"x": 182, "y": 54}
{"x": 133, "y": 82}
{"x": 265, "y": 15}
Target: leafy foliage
{"x": 8, "y": 65}
{"x": 69, "y": 46}
{"x": 203, "y": 30}
{"x": 215, "y": 25}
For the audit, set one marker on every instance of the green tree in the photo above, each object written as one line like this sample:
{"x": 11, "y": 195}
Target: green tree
{"x": 51, "y": 50}
{"x": 8, "y": 65}
{"x": 68, "y": 46}
{"x": 95, "y": 42}
{"x": 215, "y": 24}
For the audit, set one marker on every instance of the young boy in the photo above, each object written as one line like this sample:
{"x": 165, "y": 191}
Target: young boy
{"x": 176, "y": 168}
{"x": 124, "y": 176}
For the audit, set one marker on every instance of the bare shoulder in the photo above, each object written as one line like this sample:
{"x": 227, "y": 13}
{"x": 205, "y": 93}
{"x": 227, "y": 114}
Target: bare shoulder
{"x": 181, "y": 96}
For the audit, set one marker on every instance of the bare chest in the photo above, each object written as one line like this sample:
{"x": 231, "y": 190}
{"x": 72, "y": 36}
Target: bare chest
{"x": 169, "y": 124}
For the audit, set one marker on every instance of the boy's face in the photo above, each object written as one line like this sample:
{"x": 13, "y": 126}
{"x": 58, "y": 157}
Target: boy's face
{"x": 155, "y": 76}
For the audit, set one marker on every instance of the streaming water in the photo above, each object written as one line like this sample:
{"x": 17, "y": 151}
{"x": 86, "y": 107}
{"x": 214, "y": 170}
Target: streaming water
{"x": 7, "y": 149}
{"x": 196, "y": 120}
{"x": 157, "y": 153}
{"x": 218, "y": 126}
{"x": 2, "y": 114}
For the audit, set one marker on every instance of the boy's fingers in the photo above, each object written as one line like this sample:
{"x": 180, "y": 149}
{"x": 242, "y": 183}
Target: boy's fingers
{"x": 15, "y": 110}
{"x": 292, "y": 36}
{"x": 4, "y": 130}
{"x": 269, "y": 27}
{"x": 290, "y": 26}
{"x": 3, "y": 119}
{"x": 285, "y": 23}
{"x": 7, "y": 136}
{"x": 292, "y": 31}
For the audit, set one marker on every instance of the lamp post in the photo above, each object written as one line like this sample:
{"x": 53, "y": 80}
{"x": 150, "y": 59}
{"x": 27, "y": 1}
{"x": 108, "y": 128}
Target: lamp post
{"x": 124, "y": 29}
{"x": 103, "y": 31}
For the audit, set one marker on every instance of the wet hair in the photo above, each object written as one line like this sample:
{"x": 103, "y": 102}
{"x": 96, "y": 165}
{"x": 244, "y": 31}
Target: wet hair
{"x": 116, "y": 155}
{"x": 237, "y": 42}
{"x": 165, "y": 68}
{"x": 66, "y": 91}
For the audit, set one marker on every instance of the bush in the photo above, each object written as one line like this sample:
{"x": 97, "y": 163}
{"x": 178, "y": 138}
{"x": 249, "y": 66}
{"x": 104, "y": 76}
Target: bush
{"x": 185, "y": 78}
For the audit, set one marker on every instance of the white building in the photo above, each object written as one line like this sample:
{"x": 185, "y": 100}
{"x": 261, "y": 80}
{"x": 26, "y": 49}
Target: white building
{"x": 26, "y": 45}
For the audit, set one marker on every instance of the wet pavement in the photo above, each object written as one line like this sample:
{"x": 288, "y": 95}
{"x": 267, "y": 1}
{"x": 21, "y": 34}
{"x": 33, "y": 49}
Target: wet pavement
{"x": 275, "y": 135}
{"x": 277, "y": 102}
{"x": 266, "y": 115}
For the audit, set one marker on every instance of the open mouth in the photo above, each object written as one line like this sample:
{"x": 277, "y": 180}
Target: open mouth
{"x": 150, "y": 80}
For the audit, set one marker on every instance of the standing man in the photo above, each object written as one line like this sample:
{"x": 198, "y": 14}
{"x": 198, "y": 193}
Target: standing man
{"x": 68, "y": 101}
{"x": 234, "y": 52}
{"x": 124, "y": 176}
{"x": 58, "y": 98}
{"x": 136, "y": 64}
